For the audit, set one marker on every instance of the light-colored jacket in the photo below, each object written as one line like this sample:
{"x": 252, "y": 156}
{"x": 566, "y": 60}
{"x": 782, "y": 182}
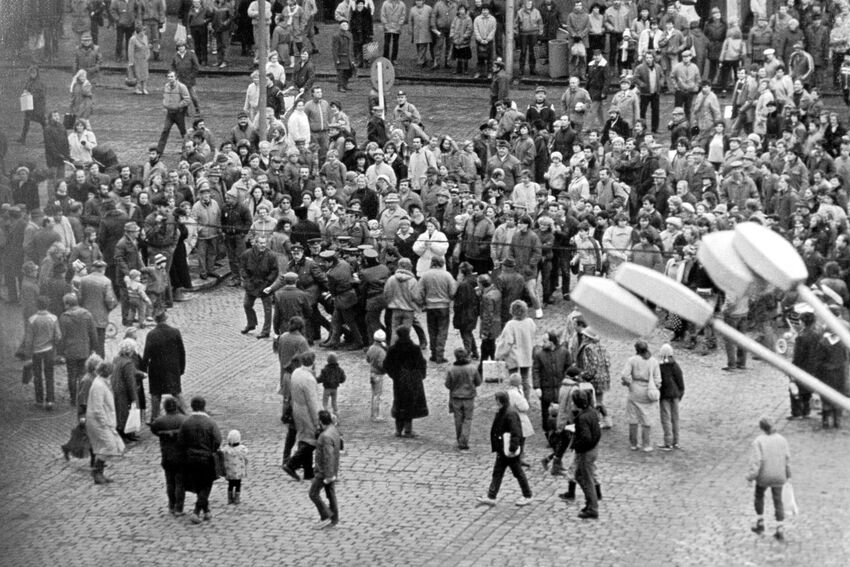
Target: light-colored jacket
{"x": 393, "y": 16}
{"x": 516, "y": 343}
{"x": 484, "y": 29}
{"x": 770, "y": 460}
{"x": 517, "y": 401}
{"x": 706, "y": 111}
{"x": 101, "y": 421}
{"x": 427, "y": 247}
{"x": 420, "y": 23}
{"x": 305, "y": 405}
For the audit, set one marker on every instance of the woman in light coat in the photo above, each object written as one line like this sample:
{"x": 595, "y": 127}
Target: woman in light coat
{"x": 139, "y": 52}
{"x": 431, "y": 243}
{"x": 101, "y": 422}
{"x": 81, "y": 142}
{"x": 520, "y": 404}
{"x": 516, "y": 344}
{"x": 82, "y": 103}
{"x": 639, "y": 370}
{"x": 298, "y": 124}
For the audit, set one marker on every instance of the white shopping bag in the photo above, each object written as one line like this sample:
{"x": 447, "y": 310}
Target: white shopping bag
{"x": 134, "y": 421}
{"x": 789, "y": 502}
{"x": 26, "y": 101}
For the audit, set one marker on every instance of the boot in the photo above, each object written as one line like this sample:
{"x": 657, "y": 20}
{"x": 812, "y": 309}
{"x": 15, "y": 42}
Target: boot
{"x": 557, "y": 467}
{"x": 599, "y": 492}
{"x": 229, "y": 496}
{"x": 570, "y": 494}
{"x": 235, "y": 497}
{"x": 97, "y": 473}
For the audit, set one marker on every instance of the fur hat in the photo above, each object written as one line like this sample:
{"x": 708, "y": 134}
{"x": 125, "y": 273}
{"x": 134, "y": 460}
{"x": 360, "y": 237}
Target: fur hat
{"x": 234, "y": 437}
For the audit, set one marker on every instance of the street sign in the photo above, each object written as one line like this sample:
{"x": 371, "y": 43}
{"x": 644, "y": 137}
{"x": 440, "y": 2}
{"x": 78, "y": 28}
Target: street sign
{"x": 382, "y": 72}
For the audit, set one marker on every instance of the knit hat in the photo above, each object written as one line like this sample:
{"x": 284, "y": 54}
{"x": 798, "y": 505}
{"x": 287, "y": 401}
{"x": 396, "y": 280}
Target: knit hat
{"x": 379, "y": 336}
{"x": 234, "y": 437}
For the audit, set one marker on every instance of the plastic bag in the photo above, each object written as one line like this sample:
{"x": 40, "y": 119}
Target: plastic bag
{"x": 134, "y": 421}
{"x": 789, "y": 502}
{"x": 180, "y": 34}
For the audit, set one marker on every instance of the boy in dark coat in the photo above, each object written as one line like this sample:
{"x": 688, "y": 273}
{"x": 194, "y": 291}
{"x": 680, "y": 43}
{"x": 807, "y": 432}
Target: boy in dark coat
{"x": 330, "y": 378}
{"x": 506, "y": 422}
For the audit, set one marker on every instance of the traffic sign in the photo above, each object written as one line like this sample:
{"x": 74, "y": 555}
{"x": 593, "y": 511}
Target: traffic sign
{"x": 386, "y": 75}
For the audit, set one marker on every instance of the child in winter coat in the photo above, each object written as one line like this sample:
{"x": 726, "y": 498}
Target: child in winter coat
{"x": 331, "y": 377}
{"x": 375, "y": 357}
{"x": 137, "y": 296}
{"x": 235, "y": 465}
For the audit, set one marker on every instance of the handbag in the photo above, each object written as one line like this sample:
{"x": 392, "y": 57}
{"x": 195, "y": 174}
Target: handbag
{"x": 134, "y": 421}
{"x": 218, "y": 459}
{"x": 26, "y": 101}
{"x": 789, "y": 502}
{"x": 69, "y": 120}
{"x": 506, "y": 447}
{"x": 130, "y": 79}
{"x": 652, "y": 391}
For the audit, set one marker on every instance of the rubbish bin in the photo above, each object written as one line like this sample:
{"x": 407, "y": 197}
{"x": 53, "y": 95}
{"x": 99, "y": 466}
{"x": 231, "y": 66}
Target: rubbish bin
{"x": 558, "y": 58}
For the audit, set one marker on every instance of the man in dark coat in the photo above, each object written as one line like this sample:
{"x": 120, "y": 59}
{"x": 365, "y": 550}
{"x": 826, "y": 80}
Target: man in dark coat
{"x": 56, "y": 146}
{"x": 406, "y": 367}
{"x": 199, "y": 440}
{"x": 167, "y": 428}
{"x": 79, "y": 340}
{"x": 506, "y": 422}
{"x": 342, "y": 52}
{"x": 548, "y": 369}
{"x": 585, "y": 439}
{"x": 164, "y": 360}
{"x": 127, "y": 257}
{"x": 258, "y": 270}
{"x": 289, "y": 302}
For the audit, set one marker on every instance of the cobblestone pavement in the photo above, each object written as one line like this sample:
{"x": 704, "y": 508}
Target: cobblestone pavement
{"x": 402, "y": 501}
{"x": 412, "y": 501}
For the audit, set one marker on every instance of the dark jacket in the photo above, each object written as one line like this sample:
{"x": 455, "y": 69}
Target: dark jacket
{"x": 235, "y": 220}
{"x": 406, "y": 367}
{"x": 55, "y": 144}
{"x": 462, "y": 379}
{"x": 164, "y": 359}
{"x": 505, "y": 421}
{"x": 199, "y": 439}
{"x": 331, "y": 376}
{"x": 327, "y": 452}
{"x": 342, "y": 50}
{"x": 548, "y": 370}
{"x": 79, "y": 334}
{"x": 672, "y": 383}
{"x": 167, "y": 428}
{"x": 127, "y": 257}
{"x": 258, "y": 270}
{"x": 587, "y": 433}
{"x": 466, "y": 304}
{"x": 289, "y": 302}
{"x": 806, "y": 355}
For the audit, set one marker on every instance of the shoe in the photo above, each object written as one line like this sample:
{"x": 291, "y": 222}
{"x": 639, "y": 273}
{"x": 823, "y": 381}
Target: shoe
{"x": 195, "y": 519}
{"x": 263, "y": 336}
{"x": 665, "y": 447}
{"x": 585, "y": 515}
{"x": 322, "y": 524}
{"x": 729, "y": 368}
{"x": 779, "y": 534}
{"x": 48, "y": 406}
{"x": 207, "y": 516}
{"x": 178, "y": 513}
{"x": 222, "y": 65}
{"x": 410, "y": 435}
{"x": 538, "y": 314}
{"x": 566, "y": 297}
{"x": 22, "y": 141}
{"x": 647, "y": 449}
{"x": 291, "y": 473}
{"x": 523, "y": 501}
{"x": 677, "y": 446}
{"x": 203, "y": 276}
{"x": 247, "y": 330}
{"x": 545, "y": 463}
{"x": 379, "y": 419}
{"x": 634, "y": 447}
{"x": 463, "y": 447}
{"x": 570, "y": 494}
{"x": 486, "y": 500}
{"x": 65, "y": 453}
{"x": 145, "y": 92}
{"x": 758, "y": 528}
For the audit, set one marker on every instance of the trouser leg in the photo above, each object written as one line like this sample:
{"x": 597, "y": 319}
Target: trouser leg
{"x": 248, "y": 305}
{"x": 498, "y": 474}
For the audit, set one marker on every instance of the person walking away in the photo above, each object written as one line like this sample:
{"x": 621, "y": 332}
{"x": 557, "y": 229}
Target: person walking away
{"x": 167, "y": 428}
{"x": 672, "y": 391}
{"x": 78, "y": 341}
{"x": 437, "y": 288}
{"x": 375, "y": 357}
{"x": 43, "y": 333}
{"x": 305, "y": 414}
{"x": 585, "y": 441}
{"x": 328, "y": 447}
{"x": 466, "y": 308}
{"x": 331, "y": 376}
{"x": 101, "y": 423}
{"x": 406, "y": 367}
{"x": 640, "y": 369}
{"x": 520, "y": 403}
{"x": 164, "y": 360}
{"x": 462, "y": 380}
{"x": 770, "y": 467}
{"x": 548, "y": 368}
{"x": 505, "y": 435}
{"x": 199, "y": 439}
{"x": 235, "y": 464}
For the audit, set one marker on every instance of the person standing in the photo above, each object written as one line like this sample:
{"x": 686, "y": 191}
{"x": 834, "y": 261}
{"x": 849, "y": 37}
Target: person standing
{"x": 305, "y": 416}
{"x": 375, "y": 357}
{"x": 98, "y": 298}
{"x": 648, "y": 77}
{"x": 406, "y": 367}
{"x": 525, "y": 249}
{"x": 259, "y": 270}
{"x": 832, "y": 370}
{"x": 640, "y": 369}
{"x": 124, "y": 385}
{"x": 210, "y": 219}
{"x": 547, "y": 372}
{"x": 672, "y": 390}
{"x": 685, "y": 82}
{"x": 79, "y": 340}
{"x": 167, "y": 428}
{"x": 35, "y": 87}
{"x": 342, "y": 52}
{"x": 770, "y": 467}
{"x": 585, "y": 440}
{"x": 122, "y": 13}
{"x": 393, "y": 16}
{"x": 328, "y": 446}
{"x": 341, "y": 285}
{"x": 199, "y": 439}
{"x": 462, "y": 380}
{"x": 175, "y": 100}
{"x": 164, "y": 360}
{"x": 505, "y": 437}
{"x": 152, "y": 14}
{"x": 806, "y": 357}
{"x": 138, "y": 54}
{"x": 516, "y": 344}
{"x": 186, "y": 66}
{"x": 529, "y": 24}
{"x": 222, "y": 22}
{"x": 420, "y": 31}
{"x": 466, "y": 308}
{"x": 101, "y": 423}
{"x": 41, "y": 338}
{"x": 437, "y": 288}
{"x": 198, "y": 18}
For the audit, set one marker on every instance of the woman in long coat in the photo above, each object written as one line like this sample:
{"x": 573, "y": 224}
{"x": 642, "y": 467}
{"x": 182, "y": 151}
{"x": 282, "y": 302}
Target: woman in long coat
{"x": 35, "y": 87}
{"x": 124, "y": 386}
{"x": 406, "y": 367}
{"x": 516, "y": 344}
{"x": 639, "y": 370}
{"x": 82, "y": 101}
{"x": 139, "y": 52}
{"x": 101, "y": 422}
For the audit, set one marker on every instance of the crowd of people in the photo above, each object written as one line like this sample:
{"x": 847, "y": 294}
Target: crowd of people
{"x": 356, "y": 235}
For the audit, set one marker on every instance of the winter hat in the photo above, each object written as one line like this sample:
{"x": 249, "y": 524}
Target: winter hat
{"x": 234, "y": 437}
{"x": 515, "y": 379}
{"x": 332, "y": 359}
{"x": 379, "y": 336}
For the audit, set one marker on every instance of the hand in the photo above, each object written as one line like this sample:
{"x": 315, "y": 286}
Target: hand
{"x": 267, "y": 290}
{"x": 82, "y": 420}
{"x": 538, "y": 392}
{"x": 330, "y": 480}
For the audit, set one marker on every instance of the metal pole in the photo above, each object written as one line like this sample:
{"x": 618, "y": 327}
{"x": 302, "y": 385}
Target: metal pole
{"x": 262, "y": 58}
{"x": 380, "y": 69}
{"x": 510, "y": 17}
